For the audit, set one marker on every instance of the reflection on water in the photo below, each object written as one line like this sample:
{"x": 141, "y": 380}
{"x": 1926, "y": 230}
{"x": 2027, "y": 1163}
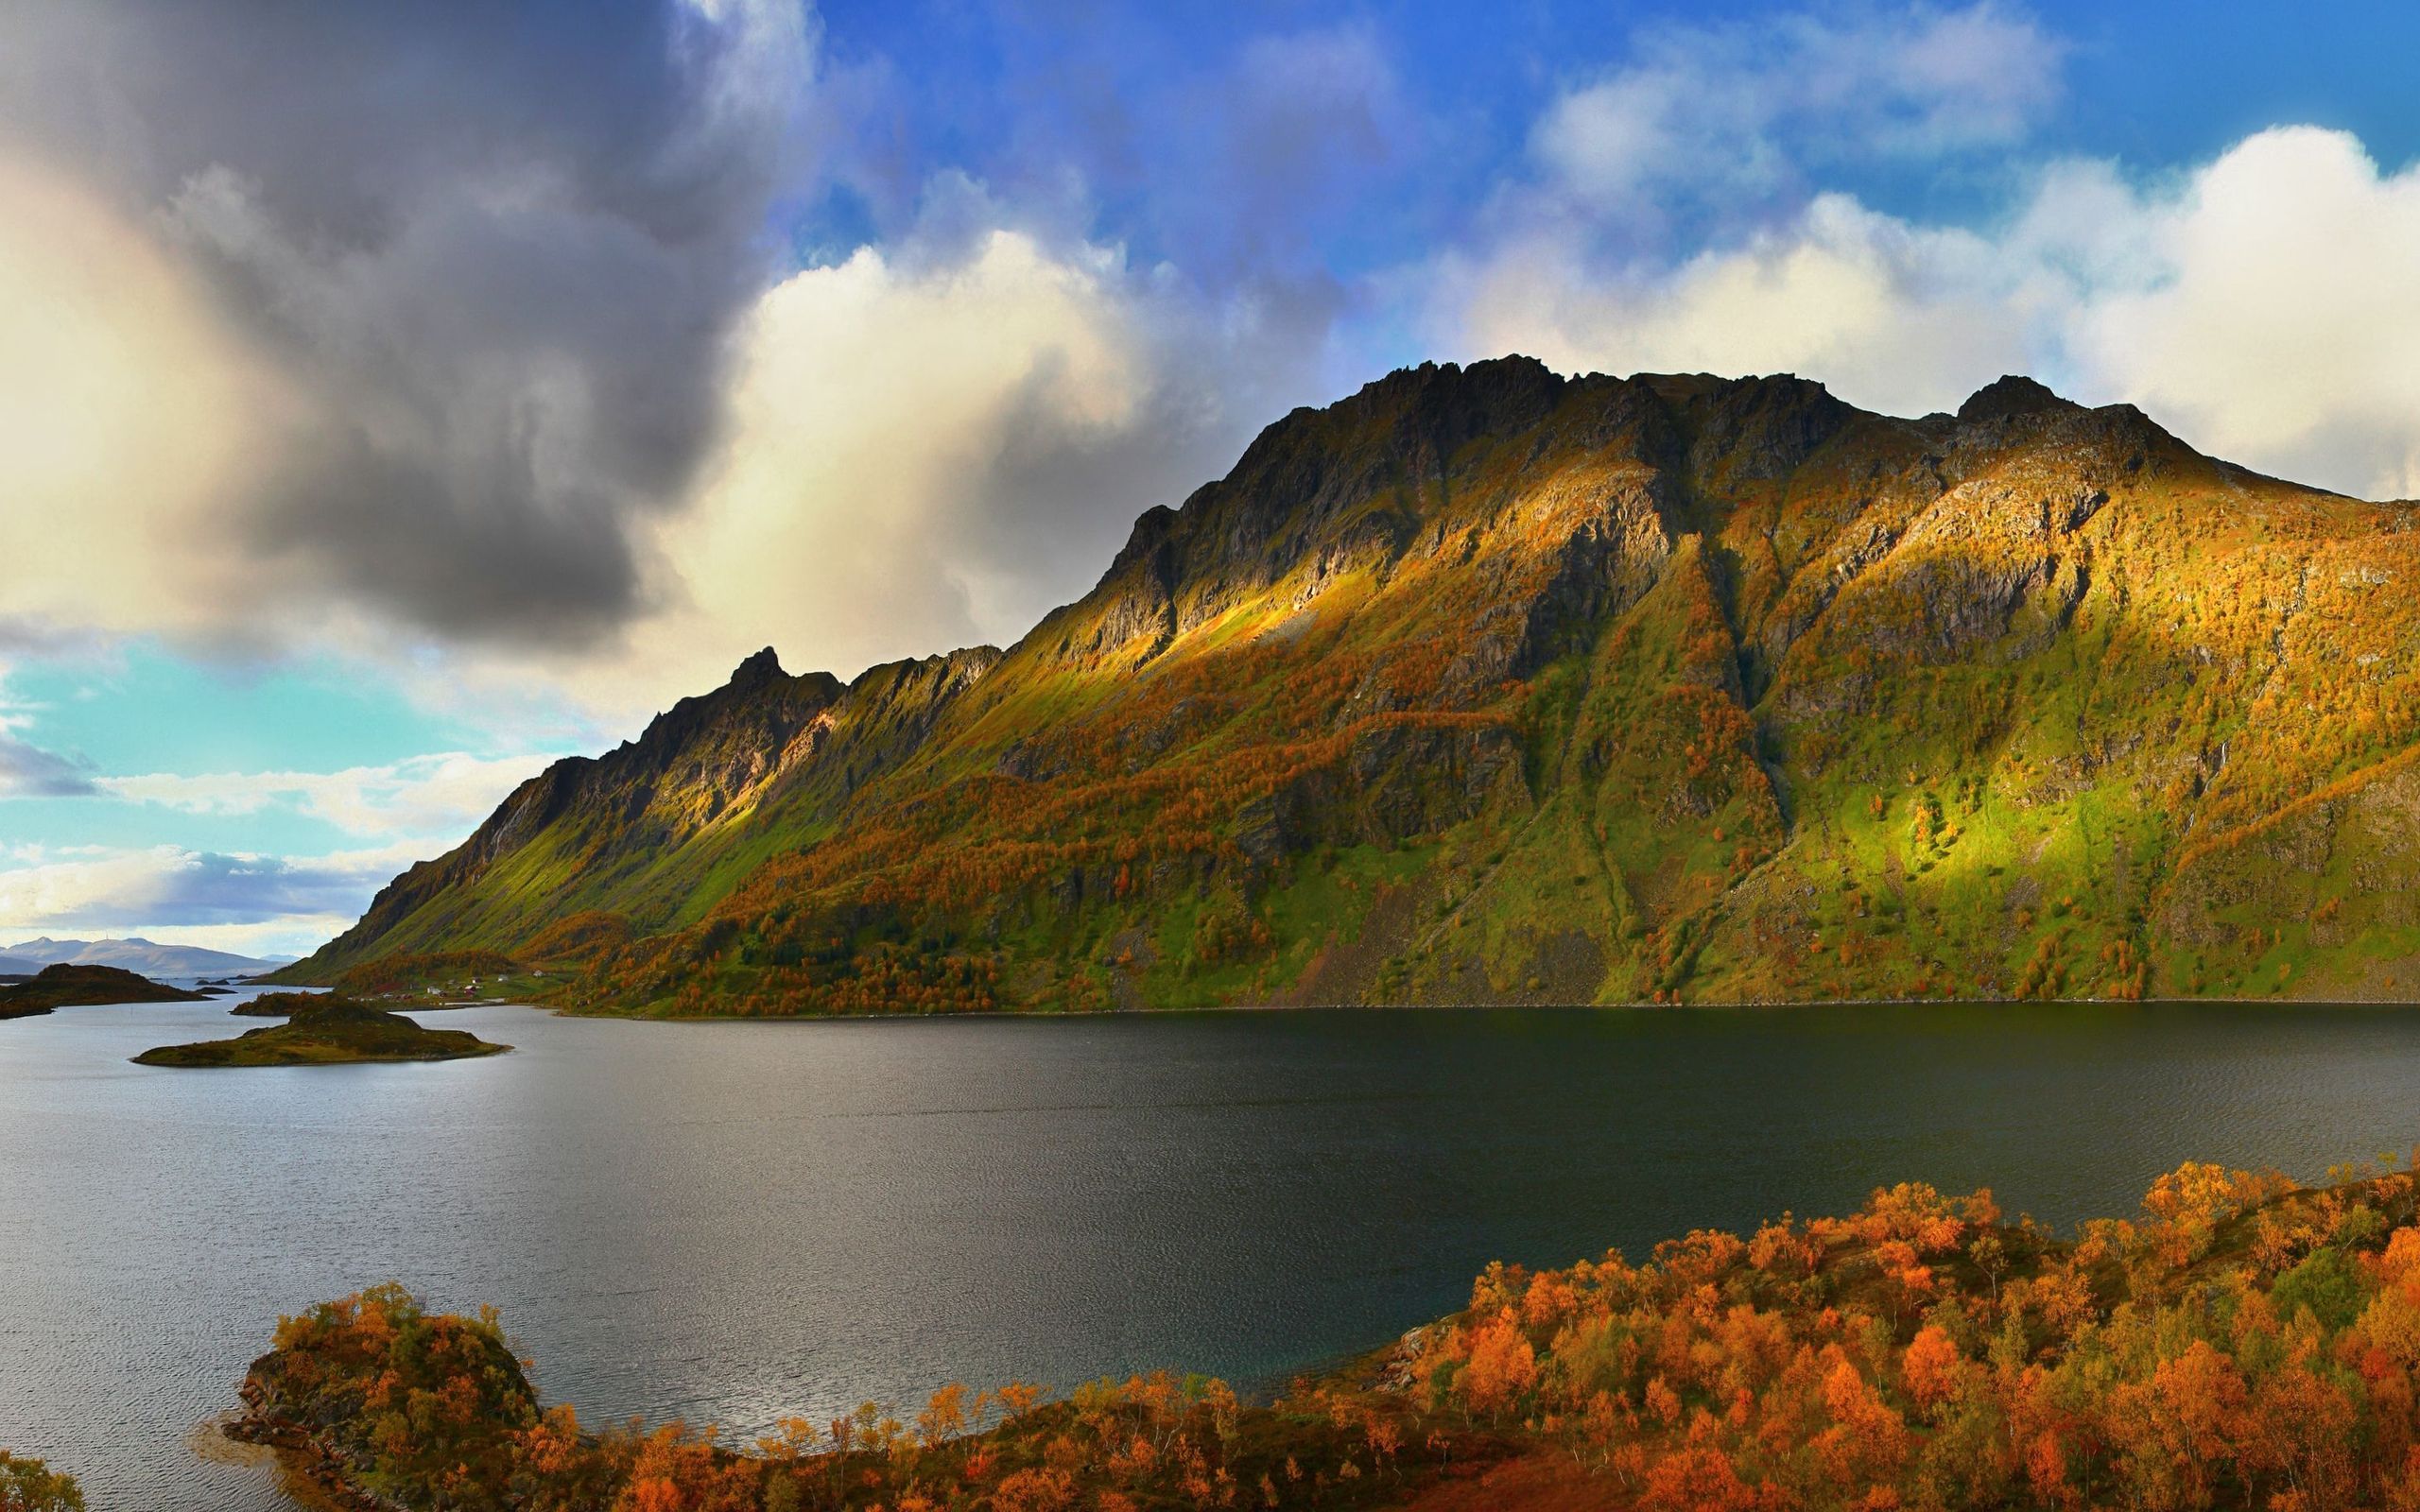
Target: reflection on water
{"x": 730, "y": 1221}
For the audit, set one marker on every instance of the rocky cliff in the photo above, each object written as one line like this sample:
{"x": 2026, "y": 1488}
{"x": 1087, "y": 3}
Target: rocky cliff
{"x": 1489, "y": 686}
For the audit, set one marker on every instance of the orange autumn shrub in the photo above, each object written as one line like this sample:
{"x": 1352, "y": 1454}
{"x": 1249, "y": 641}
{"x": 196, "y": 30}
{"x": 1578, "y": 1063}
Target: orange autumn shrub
{"x": 2239, "y": 1344}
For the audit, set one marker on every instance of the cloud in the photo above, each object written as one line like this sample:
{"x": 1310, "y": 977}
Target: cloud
{"x": 2263, "y": 305}
{"x": 1892, "y": 315}
{"x": 195, "y": 897}
{"x": 1296, "y": 136}
{"x": 2282, "y": 314}
{"x": 28, "y": 771}
{"x": 430, "y": 303}
{"x": 133, "y": 413}
{"x": 445, "y": 793}
{"x": 1670, "y": 214}
{"x": 459, "y": 344}
{"x": 933, "y": 445}
{"x": 1728, "y": 119}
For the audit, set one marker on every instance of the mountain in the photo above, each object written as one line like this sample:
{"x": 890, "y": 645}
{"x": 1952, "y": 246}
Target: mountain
{"x": 1489, "y": 686}
{"x": 135, "y": 955}
{"x": 18, "y": 966}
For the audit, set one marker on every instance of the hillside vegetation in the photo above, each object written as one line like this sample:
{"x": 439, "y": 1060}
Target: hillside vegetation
{"x": 1486, "y": 685}
{"x": 2241, "y": 1344}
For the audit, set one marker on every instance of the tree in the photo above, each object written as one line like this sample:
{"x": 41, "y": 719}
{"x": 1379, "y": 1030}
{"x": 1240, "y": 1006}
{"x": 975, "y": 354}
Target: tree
{"x": 1934, "y": 1369}
{"x": 29, "y": 1486}
{"x": 1502, "y": 1366}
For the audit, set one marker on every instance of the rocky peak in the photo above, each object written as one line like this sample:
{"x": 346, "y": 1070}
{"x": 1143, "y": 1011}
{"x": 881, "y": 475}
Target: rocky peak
{"x": 1442, "y": 404}
{"x": 1302, "y": 482}
{"x": 2011, "y": 396}
{"x": 759, "y": 693}
{"x": 1762, "y": 427}
{"x": 925, "y": 680}
{"x": 761, "y": 669}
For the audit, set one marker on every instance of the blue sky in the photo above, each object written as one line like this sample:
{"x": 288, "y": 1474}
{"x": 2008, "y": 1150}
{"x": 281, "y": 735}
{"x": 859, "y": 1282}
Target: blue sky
{"x": 399, "y": 397}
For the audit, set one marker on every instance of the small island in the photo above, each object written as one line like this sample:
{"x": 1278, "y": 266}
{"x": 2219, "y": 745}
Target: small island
{"x": 285, "y": 1005}
{"x": 327, "y": 1031}
{"x": 72, "y": 986}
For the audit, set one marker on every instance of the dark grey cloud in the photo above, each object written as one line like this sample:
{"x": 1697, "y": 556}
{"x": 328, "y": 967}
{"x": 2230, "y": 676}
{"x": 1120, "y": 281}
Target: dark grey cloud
{"x": 209, "y": 887}
{"x": 499, "y": 251}
{"x": 24, "y": 636}
{"x": 29, "y": 771}
{"x": 1046, "y": 509}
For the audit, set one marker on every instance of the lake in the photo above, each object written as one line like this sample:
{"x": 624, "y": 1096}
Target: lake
{"x": 728, "y": 1222}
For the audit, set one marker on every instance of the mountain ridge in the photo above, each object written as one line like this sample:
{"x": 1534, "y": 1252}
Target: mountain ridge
{"x": 135, "y": 954}
{"x": 1488, "y": 684}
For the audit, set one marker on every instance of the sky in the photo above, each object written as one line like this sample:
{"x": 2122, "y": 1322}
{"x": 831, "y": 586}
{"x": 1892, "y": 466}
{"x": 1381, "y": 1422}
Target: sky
{"x": 393, "y": 398}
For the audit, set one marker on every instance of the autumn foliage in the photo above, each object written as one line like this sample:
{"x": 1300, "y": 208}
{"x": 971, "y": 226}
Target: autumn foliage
{"x": 2242, "y": 1343}
{"x": 374, "y": 1394}
{"x": 29, "y": 1486}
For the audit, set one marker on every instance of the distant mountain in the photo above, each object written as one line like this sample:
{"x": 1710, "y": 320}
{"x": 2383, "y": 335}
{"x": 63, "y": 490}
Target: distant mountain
{"x": 1487, "y": 685}
{"x": 134, "y": 954}
{"x": 18, "y": 966}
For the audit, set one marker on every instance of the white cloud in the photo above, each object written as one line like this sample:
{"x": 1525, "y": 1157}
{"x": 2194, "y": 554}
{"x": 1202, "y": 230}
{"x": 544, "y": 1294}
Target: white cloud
{"x": 1727, "y": 117}
{"x": 874, "y": 402}
{"x": 2264, "y": 306}
{"x": 2282, "y": 325}
{"x": 133, "y": 417}
{"x": 446, "y": 794}
{"x": 1890, "y": 316}
{"x": 929, "y": 447}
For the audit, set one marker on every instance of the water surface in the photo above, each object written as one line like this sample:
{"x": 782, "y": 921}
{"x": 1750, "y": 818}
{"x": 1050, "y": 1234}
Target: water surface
{"x": 733, "y": 1221}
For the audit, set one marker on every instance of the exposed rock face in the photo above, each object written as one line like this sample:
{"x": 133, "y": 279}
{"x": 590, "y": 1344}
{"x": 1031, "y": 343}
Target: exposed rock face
{"x": 1484, "y": 684}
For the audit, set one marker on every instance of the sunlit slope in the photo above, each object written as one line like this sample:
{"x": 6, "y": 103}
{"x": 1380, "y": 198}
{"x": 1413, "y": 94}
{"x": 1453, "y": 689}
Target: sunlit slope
{"x": 1486, "y": 685}
{"x": 648, "y": 836}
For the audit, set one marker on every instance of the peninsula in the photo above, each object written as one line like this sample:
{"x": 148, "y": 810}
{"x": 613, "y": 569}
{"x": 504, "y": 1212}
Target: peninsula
{"x": 69, "y": 987}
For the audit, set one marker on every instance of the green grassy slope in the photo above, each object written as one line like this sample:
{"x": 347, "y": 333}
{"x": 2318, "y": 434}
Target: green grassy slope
{"x": 1485, "y": 685}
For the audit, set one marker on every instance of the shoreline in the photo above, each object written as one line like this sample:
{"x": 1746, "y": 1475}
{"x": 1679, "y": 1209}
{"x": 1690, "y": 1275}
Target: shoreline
{"x": 1761, "y": 1005}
